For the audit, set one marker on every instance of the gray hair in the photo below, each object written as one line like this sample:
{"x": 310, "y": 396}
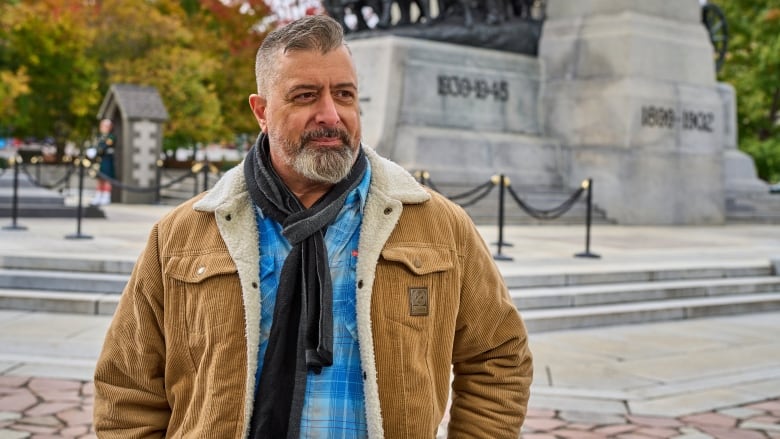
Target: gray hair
{"x": 315, "y": 32}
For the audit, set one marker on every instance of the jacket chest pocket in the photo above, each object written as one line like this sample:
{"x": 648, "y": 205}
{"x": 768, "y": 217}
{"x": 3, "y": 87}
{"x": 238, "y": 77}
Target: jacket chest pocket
{"x": 412, "y": 284}
{"x": 204, "y": 293}
{"x": 415, "y": 294}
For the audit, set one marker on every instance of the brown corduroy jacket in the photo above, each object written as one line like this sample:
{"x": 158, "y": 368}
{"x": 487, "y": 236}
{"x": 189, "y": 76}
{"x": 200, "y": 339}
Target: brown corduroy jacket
{"x": 180, "y": 355}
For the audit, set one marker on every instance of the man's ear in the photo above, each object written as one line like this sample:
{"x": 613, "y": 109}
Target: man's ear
{"x": 258, "y": 105}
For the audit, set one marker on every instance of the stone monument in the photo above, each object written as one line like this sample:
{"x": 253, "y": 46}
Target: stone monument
{"x": 632, "y": 96}
{"x": 461, "y": 113}
{"x": 621, "y": 91}
{"x": 137, "y": 113}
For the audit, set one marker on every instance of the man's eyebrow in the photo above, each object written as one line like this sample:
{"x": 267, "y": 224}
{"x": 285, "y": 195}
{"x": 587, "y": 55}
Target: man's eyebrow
{"x": 346, "y": 85}
{"x": 301, "y": 87}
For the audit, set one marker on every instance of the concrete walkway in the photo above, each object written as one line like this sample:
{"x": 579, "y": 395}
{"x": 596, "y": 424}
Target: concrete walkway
{"x": 706, "y": 378}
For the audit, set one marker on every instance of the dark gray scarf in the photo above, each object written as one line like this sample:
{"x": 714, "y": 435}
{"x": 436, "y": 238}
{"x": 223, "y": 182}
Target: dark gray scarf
{"x": 301, "y": 337}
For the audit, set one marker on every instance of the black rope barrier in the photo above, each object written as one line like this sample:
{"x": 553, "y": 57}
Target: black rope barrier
{"x": 114, "y": 182}
{"x": 37, "y": 179}
{"x": 504, "y": 185}
{"x": 16, "y": 162}
{"x": 479, "y": 192}
{"x": 547, "y": 214}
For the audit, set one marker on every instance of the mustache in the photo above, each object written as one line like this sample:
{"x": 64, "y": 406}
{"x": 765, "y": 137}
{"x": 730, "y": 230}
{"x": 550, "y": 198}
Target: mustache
{"x": 326, "y": 132}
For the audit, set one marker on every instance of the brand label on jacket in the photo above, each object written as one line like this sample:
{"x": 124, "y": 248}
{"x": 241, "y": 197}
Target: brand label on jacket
{"x": 418, "y": 301}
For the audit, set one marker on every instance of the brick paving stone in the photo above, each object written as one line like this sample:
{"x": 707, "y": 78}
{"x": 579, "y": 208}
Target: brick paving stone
{"x": 633, "y": 436}
{"x": 614, "y": 430}
{"x": 36, "y": 429}
{"x": 537, "y": 436}
{"x": 764, "y": 419}
{"x": 75, "y": 417}
{"x": 543, "y": 425}
{"x": 88, "y": 436}
{"x": 593, "y": 419}
{"x": 77, "y": 431}
{"x": 49, "y": 408}
{"x": 9, "y": 416}
{"x": 44, "y": 384}
{"x": 43, "y": 421}
{"x": 14, "y": 390}
{"x": 540, "y": 413}
{"x": 654, "y": 421}
{"x": 710, "y": 418}
{"x": 577, "y": 434}
{"x": 741, "y": 412}
{"x": 768, "y": 405}
{"x": 18, "y": 402}
{"x": 13, "y": 381}
{"x": 13, "y": 434}
{"x": 583, "y": 427}
{"x": 88, "y": 389}
{"x": 45, "y": 436}
{"x": 658, "y": 432}
{"x": 732, "y": 433}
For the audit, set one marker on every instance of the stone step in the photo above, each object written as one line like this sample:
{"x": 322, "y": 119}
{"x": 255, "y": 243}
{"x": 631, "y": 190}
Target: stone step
{"x": 639, "y": 275}
{"x": 81, "y": 265}
{"x": 41, "y": 210}
{"x": 60, "y": 302}
{"x": 604, "y": 294}
{"x": 542, "y": 320}
{"x": 63, "y": 281}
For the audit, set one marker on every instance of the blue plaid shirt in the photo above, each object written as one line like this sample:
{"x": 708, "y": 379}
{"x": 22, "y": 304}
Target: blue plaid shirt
{"x": 334, "y": 404}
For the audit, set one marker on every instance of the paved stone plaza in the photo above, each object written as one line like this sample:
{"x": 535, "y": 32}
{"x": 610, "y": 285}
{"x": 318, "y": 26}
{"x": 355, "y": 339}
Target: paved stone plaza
{"x": 716, "y": 377}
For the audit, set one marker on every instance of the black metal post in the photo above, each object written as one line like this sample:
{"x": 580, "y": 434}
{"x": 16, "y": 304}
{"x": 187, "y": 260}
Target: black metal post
{"x": 81, "y": 163}
{"x": 587, "y": 253}
{"x": 498, "y": 256}
{"x": 195, "y": 172}
{"x": 205, "y": 175}
{"x": 158, "y": 182}
{"x": 15, "y": 200}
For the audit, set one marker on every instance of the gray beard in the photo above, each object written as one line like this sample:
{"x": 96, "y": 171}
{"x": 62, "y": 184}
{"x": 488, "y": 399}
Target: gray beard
{"x": 326, "y": 165}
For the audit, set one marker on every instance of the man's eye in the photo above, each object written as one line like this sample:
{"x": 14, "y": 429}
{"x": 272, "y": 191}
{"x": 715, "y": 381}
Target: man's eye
{"x": 305, "y": 97}
{"x": 345, "y": 95}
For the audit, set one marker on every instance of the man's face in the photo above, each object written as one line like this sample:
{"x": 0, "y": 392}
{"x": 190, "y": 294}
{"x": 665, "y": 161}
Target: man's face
{"x": 311, "y": 115}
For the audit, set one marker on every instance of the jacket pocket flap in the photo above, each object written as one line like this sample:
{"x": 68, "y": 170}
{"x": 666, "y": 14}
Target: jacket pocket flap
{"x": 420, "y": 260}
{"x": 197, "y": 268}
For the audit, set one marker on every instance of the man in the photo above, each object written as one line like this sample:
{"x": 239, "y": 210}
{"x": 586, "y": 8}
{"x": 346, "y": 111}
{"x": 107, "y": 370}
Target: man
{"x": 105, "y": 153}
{"x": 317, "y": 291}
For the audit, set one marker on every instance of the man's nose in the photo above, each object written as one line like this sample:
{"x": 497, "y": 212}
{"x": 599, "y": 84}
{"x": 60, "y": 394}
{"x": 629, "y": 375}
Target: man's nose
{"x": 327, "y": 112}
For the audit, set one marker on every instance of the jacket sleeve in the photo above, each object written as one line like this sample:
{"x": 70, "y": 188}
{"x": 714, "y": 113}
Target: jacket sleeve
{"x": 130, "y": 398}
{"x": 492, "y": 363}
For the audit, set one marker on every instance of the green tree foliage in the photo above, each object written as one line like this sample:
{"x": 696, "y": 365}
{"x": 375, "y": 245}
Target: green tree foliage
{"x": 46, "y": 44}
{"x": 753, "y": 67}
{"x": 59, "y": 57}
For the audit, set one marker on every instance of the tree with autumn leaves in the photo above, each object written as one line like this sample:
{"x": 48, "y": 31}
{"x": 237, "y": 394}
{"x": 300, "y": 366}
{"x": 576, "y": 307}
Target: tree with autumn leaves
{"x": 752, "y": 66}
{"x": 59, "y": 57}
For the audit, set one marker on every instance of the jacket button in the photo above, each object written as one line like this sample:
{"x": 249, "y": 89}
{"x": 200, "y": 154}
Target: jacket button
{"x": 228, "y": 217}
{"x": 201, "y": 270}
{"x": 360, "y": 283}
{"x": 417, "y": 263}
{"x": 254, "y": 284}
{"x": 388, "y": 210}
